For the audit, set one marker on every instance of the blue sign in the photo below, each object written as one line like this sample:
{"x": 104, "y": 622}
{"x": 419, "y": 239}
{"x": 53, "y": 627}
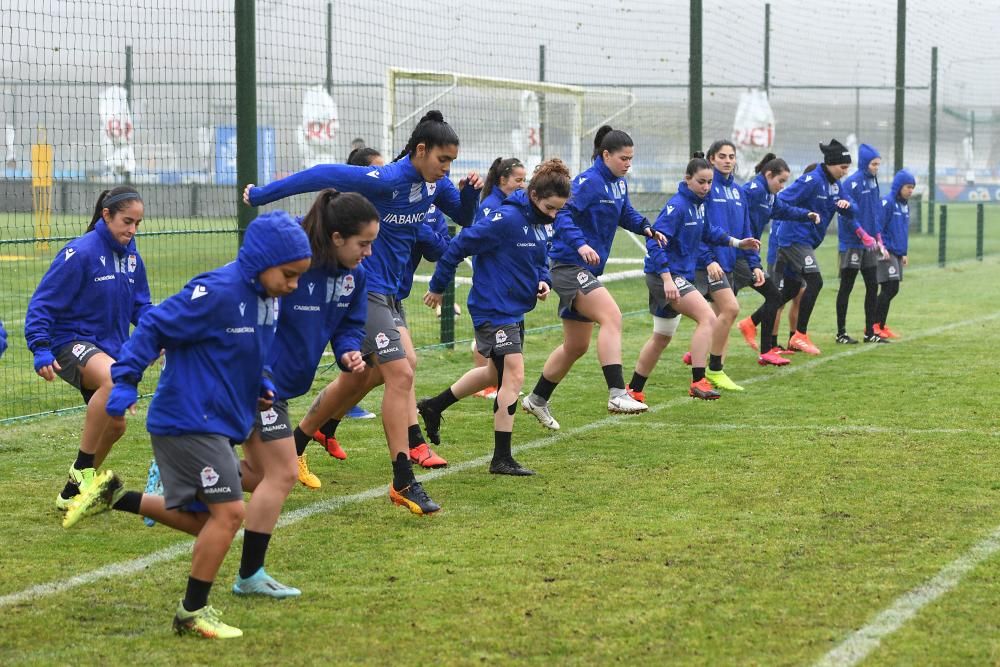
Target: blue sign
{"x": 225, "y": 155}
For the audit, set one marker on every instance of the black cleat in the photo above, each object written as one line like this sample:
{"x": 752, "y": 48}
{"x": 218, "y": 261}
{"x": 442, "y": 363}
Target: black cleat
{"x": 509, "y": 467}
{"x": 844, "y": 339}
{"x": 875, "y": 338}
{"x": 413, "y": 498}
{"x": 432, "y": 420}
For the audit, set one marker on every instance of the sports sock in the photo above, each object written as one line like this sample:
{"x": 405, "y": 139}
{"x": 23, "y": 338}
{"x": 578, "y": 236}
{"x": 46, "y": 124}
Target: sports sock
{"x": 697, "y": 373}
{"x": 715, "y": 362}
{"x": 329, "y": 429}
{"x": 254, "y": 550}
{"x": 415, "y": 436}
{"x": 638, "y": 382}
{"x": 613, "y": 375}
{"x": 443, "y": 401}
{"x": 501, "y": 445}
{"x": 402, "y": 472}
{"x": 129, "y": 502}
{"x": 301, "y": 440}
{"x": 544, "y": 388}
{"x": 197, "y": 594}
{"x": 83, "y": 460}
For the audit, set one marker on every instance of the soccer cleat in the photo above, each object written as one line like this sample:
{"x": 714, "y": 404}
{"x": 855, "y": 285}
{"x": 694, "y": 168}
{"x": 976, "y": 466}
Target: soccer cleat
{"x": 488, "y": 393}
{"x": 801, "y": 343}
{"x": 875, "y": 338}
{"x": 720, "y": 380}
{"x": 81, "y": 478}
{"x": 885, "y": 332}
{"x": 749, "y": 331}
{"x": 704, "y": 390}
{"x": 358, "y": 412}
{"x": 413, "y": 498}
{"x": 261, "y": 583}
{"x": 96, "y": 497}
{"x": 636, "y": 395}
{"x": 426, "y": 457}
{"x": 686, "y": 359}
{"x": 784, "y": 351}
{"x": 154, "y": 487}
{"x": 204, "y": 622}
{"x": 844, "y": 339}
{"x": 626, "y": 405}
{"x": 333, "y": 447}
{"x": 509, "y": 467}
{"x": 772, "y": 358}
{"x": 306, "y": 476}
{"x": 432, "y": 419}
{"x": 541, "y": 413}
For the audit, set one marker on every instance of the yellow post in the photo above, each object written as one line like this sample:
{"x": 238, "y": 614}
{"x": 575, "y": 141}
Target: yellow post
{"x": 41, "y": 192}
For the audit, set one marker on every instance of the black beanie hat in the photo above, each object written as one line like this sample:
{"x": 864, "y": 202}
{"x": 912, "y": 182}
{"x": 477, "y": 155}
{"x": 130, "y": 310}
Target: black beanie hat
{"x": 835, "y": 153}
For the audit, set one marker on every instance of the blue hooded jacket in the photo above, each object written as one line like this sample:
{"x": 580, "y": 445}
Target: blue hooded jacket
{"x": 432, "y": 240}
{"x": 895, "y": 215}
{"x": 3, "y": 339}
{"x": 490, "y": 203}
{"x": 512, "y": 258}
{"x": 217, "y": 333}
{"x": 725, "y": 209}
{"x": 597, "y": 207}
{"x": 402, "y": 198}
{"x": 862, "y": 188}
{"x": 762, "y": 205}
{"x": 683, "y": 222}
{"x": 94, "y": 289}
{"x": 814, "y": 191}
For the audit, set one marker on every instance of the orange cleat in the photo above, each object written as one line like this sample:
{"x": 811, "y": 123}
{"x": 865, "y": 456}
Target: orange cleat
{"x": 801, "y": 342}
{"x": 333, "y": 447}
{"x": 704, "y": 390}
{"x": 636, "y": 395}
{"x": 885, "y": 332}
{"x": 749, "y": 331}
{"x": 426, "y": 457}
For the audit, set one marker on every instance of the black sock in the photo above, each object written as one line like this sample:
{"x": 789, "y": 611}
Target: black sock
{"x": 697, "y": 373}
{"x": 402, "y": 472}
{"x": 715, "y": 362}
{"x": 501, "y": 445}
{"x": 83, "y": 460}
{"x": 128, "y": 502}
{"x": 444, "y": 400}
{"x": 254, "y": 550}
{"x": 613, "y": 376}
{"x": 638, "y": 382}
{"x": 329, "y": 429}
{"x": 415, "y": 435}
{"x": 197, "y": 594}
{"x": 71, "y": 490}
{"x": 301, "y": 440}
{"x": 544, "y": 388}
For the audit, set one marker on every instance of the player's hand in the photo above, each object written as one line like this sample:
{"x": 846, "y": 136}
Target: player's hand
{"x": 905, "y": 261}
{"x": 246, "y": 193}
{"x": 472, "y": 179}
{"x": 268, "y": 394}
{"x": 750, "y": 243}
{"x": 589, "y": 255}
{"x": 843, "y": 203}
{"x": 670, "y": 289}
{"x": 122, "y": 398}
{"x": 353, "y": 361}
{"x": 714, "y": 271}
{"x": 543, "y": 290}
{"x": 883, "y": 253}
{"x": 814, "y": 216}
{"x": 660, "y": 239}
{"x": 46, "y": 365}
{"x": 758, "y": 277}
{"x": 432, "y": 299}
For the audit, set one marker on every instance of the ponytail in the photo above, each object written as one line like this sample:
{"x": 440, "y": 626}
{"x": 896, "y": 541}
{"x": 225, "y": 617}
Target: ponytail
{"x": 362, "y": 157}
{"x": 610, "y": 140}
{"x": 431, "y": 131}
{"x": 551, "y": 179}
{"x": 771, "y": 164}
{"x": 345, "y": 213}
{"x": 697, "y": 163}
{"x": 114, "y": 200}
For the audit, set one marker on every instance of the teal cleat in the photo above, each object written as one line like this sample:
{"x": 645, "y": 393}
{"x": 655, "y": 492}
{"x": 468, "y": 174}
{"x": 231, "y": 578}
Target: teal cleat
{"x": 154, "y": 487}
{"x": 261, "y": 583}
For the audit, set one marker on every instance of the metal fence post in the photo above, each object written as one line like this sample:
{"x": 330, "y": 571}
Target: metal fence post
{"x": 932, "y": 156}
{"x": 246, "y": 107}
{"x": 695, "y": 82}
{"x": 942, "y": 235}
{"x": 979, "y": 231}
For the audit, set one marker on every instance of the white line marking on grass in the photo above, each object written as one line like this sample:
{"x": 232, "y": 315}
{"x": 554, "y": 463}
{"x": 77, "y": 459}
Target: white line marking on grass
{"x": 849, "y": 428}
{"x": 290, "y": 518}
{"x": 862, "y": 642}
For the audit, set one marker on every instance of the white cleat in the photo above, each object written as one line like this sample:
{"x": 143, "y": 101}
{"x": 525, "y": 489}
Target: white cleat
{"x": 625, "y": 404}
{"x": 541, "y": 413}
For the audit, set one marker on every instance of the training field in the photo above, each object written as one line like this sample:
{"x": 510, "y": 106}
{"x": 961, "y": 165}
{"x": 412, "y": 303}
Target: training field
{"x": 857, "y": 491}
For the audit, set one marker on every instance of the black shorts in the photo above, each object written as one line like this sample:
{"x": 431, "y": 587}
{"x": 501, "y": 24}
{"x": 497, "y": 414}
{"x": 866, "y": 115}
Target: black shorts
{"x": 496, "y": 341}
{"x": 858, "y": 259}
{"x": 795, "y": 260}
{"x": 72, "y": 358}
{"x": 889, "y": 269}
{"x": 706, "y": 286}
{"x": 382, "y": 337}
{"x": 567, "y": 281}
{"x": 197, "y": 466}
{"x": 742, "y": 275}
{"x": 274, "y": 423}
{"x": 658, "y": 304}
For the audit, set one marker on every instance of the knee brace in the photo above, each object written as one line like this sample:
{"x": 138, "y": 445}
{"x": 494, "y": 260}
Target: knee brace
{"x": 666, "y": 326}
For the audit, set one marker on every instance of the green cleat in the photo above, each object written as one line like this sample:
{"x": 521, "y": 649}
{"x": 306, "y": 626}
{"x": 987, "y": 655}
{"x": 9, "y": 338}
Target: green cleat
{"x": 97, "y": 497}
{"x": 204, "y": 622}
{"x": 721, "y": 381}
{"x": 81, "y": 478}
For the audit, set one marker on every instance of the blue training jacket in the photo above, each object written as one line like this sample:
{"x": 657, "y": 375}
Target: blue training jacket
{"x": 490, "y": 202}
{"x": 817, "y": 192}
{"x": 432, "y": 240}
{"x": 511, "y": 248}
{"x": 862, "y": 188}
{"x": 762, "y": 205}
{"x": 598, "y": 205}
{"x": 400, "y": 195}
{"x": 725, "y": 209}
{"x": 895, "y": 216}
{"x": 94, "y": 289}
{"x": 217, "y": 333}
{"x": 330, "y": 305}
{"x": 683, "y": 222}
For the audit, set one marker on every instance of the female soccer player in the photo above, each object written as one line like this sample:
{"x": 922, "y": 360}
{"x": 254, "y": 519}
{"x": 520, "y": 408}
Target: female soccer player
{"x": 511, "y": 274}
{"x": 402, "y": 192}
{"x": 505, "y": 176}
{"x": 217, "y": 333}
{"x": 760, "y": 198}
{"x": 895, "y": 234}
{"x": 79, "y": 317}
{"x": 584, "y": 231}
{"x": 819, "y": 191}
{"x": 670, "y": 271}
{"x": 859, "y": 248}
{"x": 3, "y": 339}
